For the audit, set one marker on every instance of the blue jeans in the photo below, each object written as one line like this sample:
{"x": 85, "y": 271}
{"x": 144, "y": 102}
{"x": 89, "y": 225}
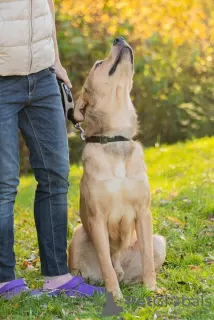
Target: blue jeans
{"x": 33, "y": 105}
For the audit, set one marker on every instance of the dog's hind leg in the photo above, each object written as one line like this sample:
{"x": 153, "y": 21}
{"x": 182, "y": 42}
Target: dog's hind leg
{"x": 131, "y": 259}
{"x": 82, "y": 257}
{"x": 116, "y": 257}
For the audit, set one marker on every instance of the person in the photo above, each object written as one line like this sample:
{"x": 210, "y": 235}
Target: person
{"x": 30, "y": 101}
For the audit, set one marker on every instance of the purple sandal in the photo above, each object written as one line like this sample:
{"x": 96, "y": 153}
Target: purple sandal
{"x": 16, "y": 287}
{"x": 13, "y": 288}
{"x": 77, "y": 287}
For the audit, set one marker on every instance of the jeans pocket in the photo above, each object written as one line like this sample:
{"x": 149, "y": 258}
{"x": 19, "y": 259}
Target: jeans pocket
{"x": 52, "y": 70}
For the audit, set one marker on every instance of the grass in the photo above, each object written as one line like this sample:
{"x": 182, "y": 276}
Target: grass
{"x": 182, "y": 185}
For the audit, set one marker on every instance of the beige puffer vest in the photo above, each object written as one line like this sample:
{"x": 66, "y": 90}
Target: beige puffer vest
{"x": 26, "y": 44}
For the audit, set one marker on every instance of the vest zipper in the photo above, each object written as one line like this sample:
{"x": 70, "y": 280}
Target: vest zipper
{"x": 31, "y": 38}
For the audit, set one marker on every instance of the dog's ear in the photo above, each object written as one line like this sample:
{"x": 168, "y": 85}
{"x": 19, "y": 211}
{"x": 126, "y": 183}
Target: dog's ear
{"x": 86, "y": 99}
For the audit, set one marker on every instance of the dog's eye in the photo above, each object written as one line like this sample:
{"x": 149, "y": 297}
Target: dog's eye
{"x": 98, "y": 64}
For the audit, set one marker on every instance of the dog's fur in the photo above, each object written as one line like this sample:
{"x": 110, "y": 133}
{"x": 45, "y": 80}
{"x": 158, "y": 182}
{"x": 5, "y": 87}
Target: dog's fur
{"x": 115, "y": 239}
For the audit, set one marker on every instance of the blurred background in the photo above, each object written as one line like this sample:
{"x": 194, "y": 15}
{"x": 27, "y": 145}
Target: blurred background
{"x": 173, "y": 42}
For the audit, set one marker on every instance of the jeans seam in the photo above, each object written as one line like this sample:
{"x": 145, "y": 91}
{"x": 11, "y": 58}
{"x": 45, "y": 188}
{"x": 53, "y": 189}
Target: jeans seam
{"x": 34, "y": 87}
{"x": 49, "y": 184}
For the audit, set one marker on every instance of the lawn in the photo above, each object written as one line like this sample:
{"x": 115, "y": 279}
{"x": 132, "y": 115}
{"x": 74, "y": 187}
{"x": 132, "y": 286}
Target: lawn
{"x": 182, "y": 185}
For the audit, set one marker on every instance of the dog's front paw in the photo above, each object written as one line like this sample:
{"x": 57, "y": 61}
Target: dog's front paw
{"x": 151, "y": 287}
{"x": 117, "y": 296}
{"x": 150, "y": 283}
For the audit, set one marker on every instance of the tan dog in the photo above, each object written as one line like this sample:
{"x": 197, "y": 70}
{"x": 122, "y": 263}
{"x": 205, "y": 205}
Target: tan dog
{"x": 115, "y": 239}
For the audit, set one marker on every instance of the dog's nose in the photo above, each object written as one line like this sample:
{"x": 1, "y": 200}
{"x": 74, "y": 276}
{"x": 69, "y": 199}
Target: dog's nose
{"x": 118, "y": 40}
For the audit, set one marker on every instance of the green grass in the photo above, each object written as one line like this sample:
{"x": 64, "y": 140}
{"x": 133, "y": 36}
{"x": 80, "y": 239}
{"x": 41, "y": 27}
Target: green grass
{"x": 182, "y": 185}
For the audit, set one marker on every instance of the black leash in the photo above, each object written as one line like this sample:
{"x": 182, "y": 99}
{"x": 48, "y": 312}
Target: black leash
{"x": 68, "y": 106}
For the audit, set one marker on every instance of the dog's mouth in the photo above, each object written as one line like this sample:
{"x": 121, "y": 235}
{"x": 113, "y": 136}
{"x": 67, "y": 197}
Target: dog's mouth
{"x": 124, "y": 50}
{"x": 83, "y": 111}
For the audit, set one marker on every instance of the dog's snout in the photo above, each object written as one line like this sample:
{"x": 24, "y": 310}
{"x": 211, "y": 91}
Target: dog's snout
{"x": 118, "y": 40}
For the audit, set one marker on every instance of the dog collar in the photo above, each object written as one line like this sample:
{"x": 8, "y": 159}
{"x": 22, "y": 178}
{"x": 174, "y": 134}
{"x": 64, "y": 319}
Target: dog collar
{"x": 105, "y": 139}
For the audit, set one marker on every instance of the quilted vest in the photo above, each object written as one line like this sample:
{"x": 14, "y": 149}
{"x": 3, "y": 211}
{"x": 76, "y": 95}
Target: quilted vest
{"x": 26, "y": 44}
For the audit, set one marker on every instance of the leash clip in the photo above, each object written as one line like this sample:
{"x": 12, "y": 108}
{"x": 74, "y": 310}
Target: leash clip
{"x": 82, "y": 132}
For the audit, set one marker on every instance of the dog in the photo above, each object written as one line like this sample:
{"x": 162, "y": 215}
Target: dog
{"x": 115, "y": 241}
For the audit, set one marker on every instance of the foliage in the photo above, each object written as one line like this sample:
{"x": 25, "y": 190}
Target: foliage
{"x": 182, "y": 185}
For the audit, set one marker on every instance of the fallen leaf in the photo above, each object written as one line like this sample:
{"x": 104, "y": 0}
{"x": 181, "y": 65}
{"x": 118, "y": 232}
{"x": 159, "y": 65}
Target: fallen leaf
{"x": 36, "y": 260}
{"x": 176, "y": 221}
{"x": 27, "y": 263}
{"x": 160, "y": 291}
{"x": 192, "y": 267}
{"x": 172, "y": 195}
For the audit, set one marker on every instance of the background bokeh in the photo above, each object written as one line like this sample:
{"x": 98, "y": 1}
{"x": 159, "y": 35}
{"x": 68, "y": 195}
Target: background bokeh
{"x": 174, "y": 55}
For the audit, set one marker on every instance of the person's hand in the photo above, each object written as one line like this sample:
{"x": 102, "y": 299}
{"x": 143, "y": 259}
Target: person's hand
{"x": 62, "y": 74}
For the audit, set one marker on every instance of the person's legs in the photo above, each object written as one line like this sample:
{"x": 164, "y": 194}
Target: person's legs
{"x": 43, "y": 127}
{"x": 9, "y": 172}
{"x": 36, "y": 100}
{"x": 12, "y": 98}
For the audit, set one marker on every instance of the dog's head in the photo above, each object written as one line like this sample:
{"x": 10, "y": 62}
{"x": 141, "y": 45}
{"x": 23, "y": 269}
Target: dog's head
{"x": 108, "y": 84}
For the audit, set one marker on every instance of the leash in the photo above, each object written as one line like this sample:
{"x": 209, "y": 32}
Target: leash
{"x": 68, "y": 106}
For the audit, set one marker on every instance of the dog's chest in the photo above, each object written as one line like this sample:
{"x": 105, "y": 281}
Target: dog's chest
{"x": 121, "y": 181}
{"x": 119, "y": 170}
{"x": 126, "y": 190}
